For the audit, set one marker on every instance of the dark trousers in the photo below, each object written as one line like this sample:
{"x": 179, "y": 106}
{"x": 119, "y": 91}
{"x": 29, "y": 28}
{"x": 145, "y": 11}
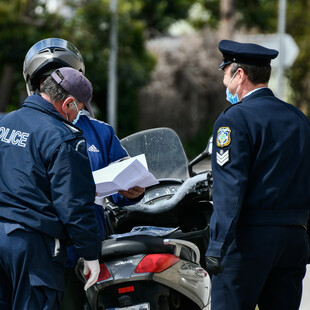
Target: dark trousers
{"x": 31, "y": 278}
{"x": 264, "y": 265}
{"x": 74, "y": 296}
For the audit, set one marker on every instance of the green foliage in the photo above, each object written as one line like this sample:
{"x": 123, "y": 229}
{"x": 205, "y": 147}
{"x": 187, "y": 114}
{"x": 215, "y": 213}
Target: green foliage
{"x": 16, "y": 30}
{"x": 258, "y": 14}
{"x": 298, "y": 25}
{"x": 24, "y": 22}
{"x": 214, "y": 7}
{"x": 89, "y": 31}
{"x": 159, "y": 15}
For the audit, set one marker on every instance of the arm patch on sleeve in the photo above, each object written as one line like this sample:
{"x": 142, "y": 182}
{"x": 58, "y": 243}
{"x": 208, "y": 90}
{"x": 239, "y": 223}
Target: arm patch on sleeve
{"x": 223, "y": 137}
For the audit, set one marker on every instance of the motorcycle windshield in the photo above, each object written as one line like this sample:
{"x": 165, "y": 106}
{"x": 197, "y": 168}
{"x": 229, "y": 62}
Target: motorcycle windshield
{"x": 163, "y": 150}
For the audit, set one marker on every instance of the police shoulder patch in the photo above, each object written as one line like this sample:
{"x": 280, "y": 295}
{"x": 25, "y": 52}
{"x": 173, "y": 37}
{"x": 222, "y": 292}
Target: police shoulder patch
{"x": 223, "y": 137}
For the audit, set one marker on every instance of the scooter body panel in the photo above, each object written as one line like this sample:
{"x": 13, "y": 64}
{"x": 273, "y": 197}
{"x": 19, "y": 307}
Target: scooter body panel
{"x": 180, "y": 203}
{"x": 186, "y": 278}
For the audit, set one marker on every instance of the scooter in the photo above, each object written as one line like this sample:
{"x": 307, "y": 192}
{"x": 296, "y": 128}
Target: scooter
{"x": 154, "y": 256}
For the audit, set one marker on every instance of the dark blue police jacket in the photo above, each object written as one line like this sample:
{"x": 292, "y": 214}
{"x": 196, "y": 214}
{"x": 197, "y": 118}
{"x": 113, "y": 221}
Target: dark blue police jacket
{"x": 261, "y": 167}
{"x": 46, "y": 181}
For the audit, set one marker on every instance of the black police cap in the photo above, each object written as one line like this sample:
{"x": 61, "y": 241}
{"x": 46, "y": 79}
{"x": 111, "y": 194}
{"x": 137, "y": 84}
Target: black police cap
{"x": 245, "y": 53}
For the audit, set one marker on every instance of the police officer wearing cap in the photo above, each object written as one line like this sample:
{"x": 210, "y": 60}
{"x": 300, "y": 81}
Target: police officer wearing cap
{"x": 103, "y": 146}
{"x": 47, "y": 194}
{"x": 258, "y": 247}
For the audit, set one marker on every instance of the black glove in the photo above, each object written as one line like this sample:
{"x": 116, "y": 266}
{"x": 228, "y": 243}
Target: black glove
{"x": 213, "y": 265}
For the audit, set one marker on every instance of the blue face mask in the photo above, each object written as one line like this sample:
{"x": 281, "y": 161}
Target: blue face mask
{"x": 77, "y": 118}
{"x": 233, "y": 99}
{"x": 78, "y": 114}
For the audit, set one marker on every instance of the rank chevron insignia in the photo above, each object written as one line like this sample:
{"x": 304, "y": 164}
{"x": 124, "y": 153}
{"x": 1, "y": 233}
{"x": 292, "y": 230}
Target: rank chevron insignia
{"x": 222, "y": 157}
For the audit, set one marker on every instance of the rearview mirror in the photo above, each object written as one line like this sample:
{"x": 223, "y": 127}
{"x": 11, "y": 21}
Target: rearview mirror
{"x": 206, "y": 153}
{"x": 209, "y": 146}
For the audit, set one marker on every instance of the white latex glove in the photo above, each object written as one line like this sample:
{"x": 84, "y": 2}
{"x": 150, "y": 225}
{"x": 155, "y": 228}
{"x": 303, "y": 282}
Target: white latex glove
{"x": 94, "y": 268}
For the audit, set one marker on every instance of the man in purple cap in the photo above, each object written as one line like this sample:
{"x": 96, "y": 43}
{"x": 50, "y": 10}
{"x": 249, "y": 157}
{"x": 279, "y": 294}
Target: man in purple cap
{"x": 71, "y": 82}
{"x": 103, "y": 146}
{"x": 258, "y": 247}
{"x": 74, "y": 82}
{"x": 47, "y": 194}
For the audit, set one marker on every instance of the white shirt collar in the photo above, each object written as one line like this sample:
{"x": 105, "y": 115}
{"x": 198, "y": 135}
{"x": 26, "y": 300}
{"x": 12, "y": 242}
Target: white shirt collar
{"x": 252, "y": 91}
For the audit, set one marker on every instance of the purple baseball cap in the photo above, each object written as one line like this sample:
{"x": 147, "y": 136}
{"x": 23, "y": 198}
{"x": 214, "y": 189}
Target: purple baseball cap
{"x": 76, "y": 84}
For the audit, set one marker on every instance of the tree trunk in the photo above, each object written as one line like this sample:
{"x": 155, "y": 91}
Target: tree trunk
{"x": 227, "y": 19}
{"x": 6, "y": 86}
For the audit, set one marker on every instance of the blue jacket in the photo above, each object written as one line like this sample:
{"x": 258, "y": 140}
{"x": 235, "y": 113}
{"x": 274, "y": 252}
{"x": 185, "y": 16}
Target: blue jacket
{"x": 261, "y": 167}
{"x": 46, "y": 181}
{"x": 103, "y": 148}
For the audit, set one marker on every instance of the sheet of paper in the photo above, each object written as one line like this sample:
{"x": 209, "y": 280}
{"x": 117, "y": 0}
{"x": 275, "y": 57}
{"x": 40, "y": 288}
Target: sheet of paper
{"x": 123, "y": 175}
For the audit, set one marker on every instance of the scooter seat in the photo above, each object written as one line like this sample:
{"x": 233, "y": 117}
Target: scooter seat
{"x": 137, "y": 244}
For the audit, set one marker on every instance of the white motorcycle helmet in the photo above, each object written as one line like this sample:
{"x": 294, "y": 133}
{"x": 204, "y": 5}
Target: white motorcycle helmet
{"x": 47, "y": 55}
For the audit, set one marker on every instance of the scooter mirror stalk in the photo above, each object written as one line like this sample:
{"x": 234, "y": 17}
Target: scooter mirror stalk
{"x": 205, "y": 154}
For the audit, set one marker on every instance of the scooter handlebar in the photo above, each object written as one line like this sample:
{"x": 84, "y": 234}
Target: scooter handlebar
{"x": 190, "y": 185}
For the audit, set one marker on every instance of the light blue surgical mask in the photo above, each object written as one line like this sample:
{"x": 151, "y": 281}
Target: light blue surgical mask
{"x": 77, "y": 118}
{"x": 233, "y": 99}
{"x": 78, "y": 114}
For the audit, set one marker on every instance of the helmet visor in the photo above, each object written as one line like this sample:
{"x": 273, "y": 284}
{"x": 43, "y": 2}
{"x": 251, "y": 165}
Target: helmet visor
{"x": 52, "y": 43}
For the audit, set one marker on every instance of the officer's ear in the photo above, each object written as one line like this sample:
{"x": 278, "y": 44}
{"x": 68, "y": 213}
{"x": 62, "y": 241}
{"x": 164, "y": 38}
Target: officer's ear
{"x": 67, "y": 104}
{"x": 242, "y": 74}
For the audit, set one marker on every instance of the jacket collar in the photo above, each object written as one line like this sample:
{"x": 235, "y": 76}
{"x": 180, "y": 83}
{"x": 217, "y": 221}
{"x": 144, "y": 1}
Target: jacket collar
{"x": 37, "y": 102}
{"x": 259, "y": 93}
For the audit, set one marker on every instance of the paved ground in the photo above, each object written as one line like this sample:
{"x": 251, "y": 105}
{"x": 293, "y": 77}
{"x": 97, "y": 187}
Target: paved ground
{"x": 305, "y": 302}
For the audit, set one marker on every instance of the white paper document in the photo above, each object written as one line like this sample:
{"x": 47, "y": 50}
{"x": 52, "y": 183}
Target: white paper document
{"x": 123, "y": 175}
